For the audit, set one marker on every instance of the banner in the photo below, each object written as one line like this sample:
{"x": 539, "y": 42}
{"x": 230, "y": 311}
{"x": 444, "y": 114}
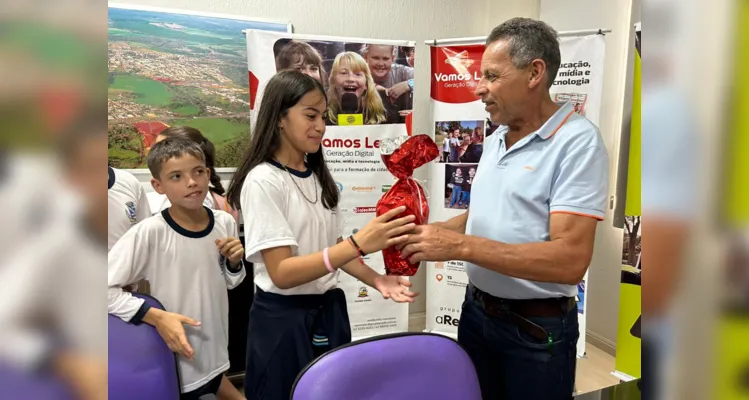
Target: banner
{"x": 172, "y": 67}
{"x": 628, "y": 337}
{"x": 378, "y": 76}
{"x": 460, "y": 126}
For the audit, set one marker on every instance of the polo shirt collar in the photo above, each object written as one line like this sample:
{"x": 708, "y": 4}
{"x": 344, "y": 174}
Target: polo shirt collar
{"x": 556, "y": 121}
{"x": 551, "y": 126}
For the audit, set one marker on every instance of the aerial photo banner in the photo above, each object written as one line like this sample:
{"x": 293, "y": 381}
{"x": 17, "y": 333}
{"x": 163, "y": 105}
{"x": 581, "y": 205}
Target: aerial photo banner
{"x": 173, "y": 67}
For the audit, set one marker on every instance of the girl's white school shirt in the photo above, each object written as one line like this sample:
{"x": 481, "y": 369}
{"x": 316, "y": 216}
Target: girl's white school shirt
{"x": 188, "y": 277}
{"x": 276, "y": 214}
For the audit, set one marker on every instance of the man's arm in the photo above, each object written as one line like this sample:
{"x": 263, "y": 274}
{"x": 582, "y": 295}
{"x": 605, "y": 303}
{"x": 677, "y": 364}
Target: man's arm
{"x": 455, "y": 224}
{"x": 563, "y": 259}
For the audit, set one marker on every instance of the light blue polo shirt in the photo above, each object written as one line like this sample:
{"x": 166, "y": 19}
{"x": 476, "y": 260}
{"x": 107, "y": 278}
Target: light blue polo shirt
{"x": 561, "y": 168}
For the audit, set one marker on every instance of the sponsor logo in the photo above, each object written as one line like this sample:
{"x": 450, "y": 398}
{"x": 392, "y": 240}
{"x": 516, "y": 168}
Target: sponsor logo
{"x": 365, "y": 189}
{"x": 365, "y": 210}
{"x": 456, "y": 73}
{"x": 385, "y": 188}
{"x": 447, "y": 320}
{"x": 363, "y": 292}
{"x": 459, "y": 60}
{"x": 340, "y": 186}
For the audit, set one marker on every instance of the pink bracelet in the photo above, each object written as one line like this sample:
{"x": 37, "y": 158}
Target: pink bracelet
{"x": 326, "y": 259}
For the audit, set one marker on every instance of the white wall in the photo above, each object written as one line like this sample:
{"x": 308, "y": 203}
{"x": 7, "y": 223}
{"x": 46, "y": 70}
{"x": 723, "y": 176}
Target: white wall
{"x": 564, "y": 15}
{"x": 416, "y": 20}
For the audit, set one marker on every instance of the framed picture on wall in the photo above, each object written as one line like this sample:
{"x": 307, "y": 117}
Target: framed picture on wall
{"x": 175, "y": 67}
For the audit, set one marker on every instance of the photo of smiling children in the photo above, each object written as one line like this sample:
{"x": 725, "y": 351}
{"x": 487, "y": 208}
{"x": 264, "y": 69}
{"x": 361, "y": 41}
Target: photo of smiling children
{"x": 370, "y": 81}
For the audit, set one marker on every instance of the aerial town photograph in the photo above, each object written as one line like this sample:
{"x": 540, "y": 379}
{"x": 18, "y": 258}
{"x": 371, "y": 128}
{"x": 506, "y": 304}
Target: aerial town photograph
{"x": 169, "y": 69}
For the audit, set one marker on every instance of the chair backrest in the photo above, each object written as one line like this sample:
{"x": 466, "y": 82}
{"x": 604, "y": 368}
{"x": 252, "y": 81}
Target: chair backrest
{"x": 394, "y": 367}
{"x": 18, "y": 384}
{"x": 141, "y": 366}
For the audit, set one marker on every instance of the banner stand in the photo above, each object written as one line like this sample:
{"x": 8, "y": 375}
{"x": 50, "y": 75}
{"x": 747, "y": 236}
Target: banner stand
{"x": 352, "y": 137}
{"x": 460, "y": 126}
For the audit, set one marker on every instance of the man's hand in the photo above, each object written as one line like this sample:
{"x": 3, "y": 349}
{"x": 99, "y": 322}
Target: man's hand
{"x": 169, "y": 326}
{"x": 432, "y": 243}
{"x": 395, "y": 287}
{"x": 231, "y": 248}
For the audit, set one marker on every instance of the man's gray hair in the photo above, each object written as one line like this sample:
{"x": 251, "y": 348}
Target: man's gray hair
{"x": 530, "y": 39}
{"x": 365, "y": 49}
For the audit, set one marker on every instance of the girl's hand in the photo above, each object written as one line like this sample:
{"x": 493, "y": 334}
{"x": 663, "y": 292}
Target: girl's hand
{"x": 396, "y": 288}
{"x": 381, "y": 232}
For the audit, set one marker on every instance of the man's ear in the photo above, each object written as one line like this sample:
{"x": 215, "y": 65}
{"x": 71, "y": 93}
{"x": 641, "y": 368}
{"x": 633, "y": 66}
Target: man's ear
{"x": 537, "y": 75}
{"x": 156, "y": 185}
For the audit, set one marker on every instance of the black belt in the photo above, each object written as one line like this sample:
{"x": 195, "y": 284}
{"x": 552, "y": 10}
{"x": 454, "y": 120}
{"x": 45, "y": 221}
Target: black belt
{"x": 518, "y": 311}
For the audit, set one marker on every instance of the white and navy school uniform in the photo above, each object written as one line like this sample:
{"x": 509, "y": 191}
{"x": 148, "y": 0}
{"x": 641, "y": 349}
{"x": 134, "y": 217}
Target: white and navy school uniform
{"x": 127, "y": 204}
{"x": 160, "y": 202}
{"x": 278, "y": 211}
{"x": 189, "y": 277}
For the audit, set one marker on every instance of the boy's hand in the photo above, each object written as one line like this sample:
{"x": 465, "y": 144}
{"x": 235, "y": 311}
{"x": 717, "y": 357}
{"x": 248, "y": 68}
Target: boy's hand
{"x": 231, "y": 248}
{"x": 169, "y": 326}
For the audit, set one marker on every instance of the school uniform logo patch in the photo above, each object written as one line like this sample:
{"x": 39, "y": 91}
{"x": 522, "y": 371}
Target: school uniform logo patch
{"x": 130, "y": 212}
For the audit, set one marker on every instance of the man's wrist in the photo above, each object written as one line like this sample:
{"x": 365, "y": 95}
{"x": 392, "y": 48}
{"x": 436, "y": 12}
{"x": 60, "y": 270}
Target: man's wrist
{"x": 465, "y": 249}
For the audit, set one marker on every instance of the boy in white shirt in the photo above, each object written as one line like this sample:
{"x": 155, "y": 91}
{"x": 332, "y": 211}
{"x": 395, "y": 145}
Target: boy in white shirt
{"x": 190, "y": 255}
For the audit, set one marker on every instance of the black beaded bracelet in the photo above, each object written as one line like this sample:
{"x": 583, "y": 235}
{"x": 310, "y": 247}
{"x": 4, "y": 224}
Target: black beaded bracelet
{"x": 353, "y": 241}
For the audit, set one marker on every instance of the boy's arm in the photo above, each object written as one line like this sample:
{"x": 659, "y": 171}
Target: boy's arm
{"x": 127, "y": 265}
{"x": 235, "y": 274}
{"x": 235, "y": 270}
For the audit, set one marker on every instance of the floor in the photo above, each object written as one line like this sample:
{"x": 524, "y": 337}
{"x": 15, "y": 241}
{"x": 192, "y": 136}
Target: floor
{"x": 593, "y": 371}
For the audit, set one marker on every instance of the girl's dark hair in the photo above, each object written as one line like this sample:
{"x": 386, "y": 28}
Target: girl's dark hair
{"x": 284, "y": 90}
{"x": 292, "y": 51}
{"x": 190, "y": 133}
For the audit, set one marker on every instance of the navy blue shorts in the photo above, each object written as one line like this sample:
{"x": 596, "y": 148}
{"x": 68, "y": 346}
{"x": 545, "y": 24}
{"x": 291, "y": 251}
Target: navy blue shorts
{"x": 209, "y": 388}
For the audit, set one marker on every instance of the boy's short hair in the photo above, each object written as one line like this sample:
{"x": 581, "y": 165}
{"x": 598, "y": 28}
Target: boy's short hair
{"x": 169, "y": 148}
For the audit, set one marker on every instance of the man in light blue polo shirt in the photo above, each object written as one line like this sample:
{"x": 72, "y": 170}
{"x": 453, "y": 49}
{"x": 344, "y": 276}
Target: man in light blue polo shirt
{"x": 527, "y": 239}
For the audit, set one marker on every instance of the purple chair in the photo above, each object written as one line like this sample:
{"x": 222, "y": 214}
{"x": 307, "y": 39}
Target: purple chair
{"x": 17, "y": 384}
{"x": 141, "y": 366}
{"x": 399, "y": 366}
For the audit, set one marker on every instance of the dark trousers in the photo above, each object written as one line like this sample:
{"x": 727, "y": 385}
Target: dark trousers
{"x": 514, "y": 365}
{"x": 279, "y": 338}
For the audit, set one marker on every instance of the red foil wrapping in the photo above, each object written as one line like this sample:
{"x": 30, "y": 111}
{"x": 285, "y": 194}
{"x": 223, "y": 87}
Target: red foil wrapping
{"x": 402, "y": 155}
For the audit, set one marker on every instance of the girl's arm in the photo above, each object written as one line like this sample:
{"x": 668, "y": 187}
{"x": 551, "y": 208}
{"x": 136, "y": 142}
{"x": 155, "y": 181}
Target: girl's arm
{"x": 391, "y": 287}
{"x": 287, "y": 271}
{"x": 359, "y": 270}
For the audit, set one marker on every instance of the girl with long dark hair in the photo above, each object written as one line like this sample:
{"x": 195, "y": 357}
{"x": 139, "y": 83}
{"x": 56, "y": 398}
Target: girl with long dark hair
{"x": 292, "y": 226}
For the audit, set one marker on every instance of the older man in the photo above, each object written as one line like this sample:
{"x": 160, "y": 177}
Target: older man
{"x": 527, "y": 239}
